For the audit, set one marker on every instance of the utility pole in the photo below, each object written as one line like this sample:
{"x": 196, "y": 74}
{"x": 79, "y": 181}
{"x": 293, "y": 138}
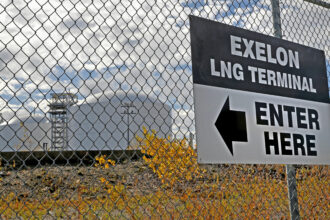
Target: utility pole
{"x": 128, "y": 110}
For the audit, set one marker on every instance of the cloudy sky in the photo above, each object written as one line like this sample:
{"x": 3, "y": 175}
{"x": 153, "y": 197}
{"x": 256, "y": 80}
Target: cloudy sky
{"x": 91, "y": 46}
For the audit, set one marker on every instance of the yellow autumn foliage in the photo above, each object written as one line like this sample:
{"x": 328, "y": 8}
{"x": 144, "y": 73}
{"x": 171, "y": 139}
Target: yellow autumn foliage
{"x": 251, "y": 197}
{"x": 103, "y": 162}
{"x": 173, "y": 161}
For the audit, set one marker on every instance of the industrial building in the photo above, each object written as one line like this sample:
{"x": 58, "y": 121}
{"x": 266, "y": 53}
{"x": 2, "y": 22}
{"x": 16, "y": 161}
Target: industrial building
{"x": 104, "y": 121}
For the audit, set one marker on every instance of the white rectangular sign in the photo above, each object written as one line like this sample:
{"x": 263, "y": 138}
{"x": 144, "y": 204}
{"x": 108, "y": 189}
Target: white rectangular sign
{"x": 279, "y": 130}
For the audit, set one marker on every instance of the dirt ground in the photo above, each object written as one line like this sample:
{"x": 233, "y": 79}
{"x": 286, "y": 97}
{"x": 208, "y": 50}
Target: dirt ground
{"x": 65, "y": 181}
{"x": 41, "y": 182}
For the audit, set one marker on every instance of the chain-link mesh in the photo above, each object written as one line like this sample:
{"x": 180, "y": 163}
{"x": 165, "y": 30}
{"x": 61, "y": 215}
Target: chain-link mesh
{"x": 97, "y": 118}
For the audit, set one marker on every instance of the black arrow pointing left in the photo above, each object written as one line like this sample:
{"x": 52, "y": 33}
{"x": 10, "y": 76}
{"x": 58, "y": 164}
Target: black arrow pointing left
{"x": 231, "y": 126}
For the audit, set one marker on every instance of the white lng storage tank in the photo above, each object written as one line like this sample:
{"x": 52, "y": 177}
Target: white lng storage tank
{"x": 104, "y": 121}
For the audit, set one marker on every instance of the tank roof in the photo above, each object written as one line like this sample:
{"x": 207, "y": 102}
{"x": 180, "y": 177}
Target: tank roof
{"x": 120, "y": 96}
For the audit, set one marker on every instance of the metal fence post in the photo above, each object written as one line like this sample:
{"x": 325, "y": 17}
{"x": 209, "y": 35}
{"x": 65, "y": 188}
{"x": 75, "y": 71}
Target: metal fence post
{"x": 292, "y": 188}
{"x": 191, "y": 140}
{"x": 290, "y": 169}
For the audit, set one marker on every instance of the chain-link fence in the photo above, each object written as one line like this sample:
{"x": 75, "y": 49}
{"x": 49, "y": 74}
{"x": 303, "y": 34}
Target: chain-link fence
{"x": 97, "y": 118}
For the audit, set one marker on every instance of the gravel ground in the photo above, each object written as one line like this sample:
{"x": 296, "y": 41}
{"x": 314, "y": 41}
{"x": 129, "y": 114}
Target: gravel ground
{"x": 67, "y": 181}
{"x": 41, "y": 182}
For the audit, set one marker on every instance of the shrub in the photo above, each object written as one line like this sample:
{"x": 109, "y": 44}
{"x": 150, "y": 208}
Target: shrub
{"x": 173, "y": 161}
